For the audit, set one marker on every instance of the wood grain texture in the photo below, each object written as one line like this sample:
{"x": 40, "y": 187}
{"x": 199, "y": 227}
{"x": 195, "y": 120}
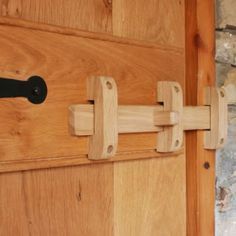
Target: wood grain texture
{"x": 216, "y": 137}
{"x": 65, "y": 201}
{"x": 166, "y": 118}
{"x": 23, "y": 54}
{"x": 205, "y": 42}
{"x": 135, "y": 19}
{"x": 171, "y": 95}
{"x": 139, "y": 119}
{"x": 200, "y": 72}
{"x": 44, "y": 163}
{"x": 85, "y": 34}
{"x": 47, "y": 206}
{"x": 131, "y": 119}
{"x": 144, "y": 187}
{"x": 150, "y": 197}
{"x": 103, "y": 92}
{"x": 90, "y": 15}
{"x": 158, "y": 21}
{"x": 196, "y": 118}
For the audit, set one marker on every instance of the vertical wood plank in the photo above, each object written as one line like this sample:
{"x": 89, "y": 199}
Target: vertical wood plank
{"x": 149, "y": 197}
{"x": 65, "y": 201}
{"x": 191, "y": 99}
{"x": 13, "y": 216}
{"x": 200, "y": 72}
{"x": 143, "y": 190}
{"x": 206, "y": 77}
{"x": 157, "y": 21}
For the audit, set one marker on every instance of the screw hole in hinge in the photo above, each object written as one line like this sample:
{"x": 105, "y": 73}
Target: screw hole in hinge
{"x": 177, "y": 143}
{"x": 176, "y": 89}
{"x": 222, "y": 140}
{"x": 109, "y": 85}
{"x": 110, "y": 149}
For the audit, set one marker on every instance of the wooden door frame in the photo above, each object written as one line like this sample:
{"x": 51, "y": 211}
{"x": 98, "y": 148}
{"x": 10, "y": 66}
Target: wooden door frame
{"x": 200, "y": 72}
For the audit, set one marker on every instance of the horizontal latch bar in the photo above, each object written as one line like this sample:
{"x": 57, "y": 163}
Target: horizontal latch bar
{"x": 139, "y": 119}
{"x": 105, "y": 119}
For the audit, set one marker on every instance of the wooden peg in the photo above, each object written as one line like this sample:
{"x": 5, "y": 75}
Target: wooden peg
{"x": 217, "y": 100}
{"x": 103, "y": 143}
{"x": 171, "y": 95}
{"x": 166, "y": 118}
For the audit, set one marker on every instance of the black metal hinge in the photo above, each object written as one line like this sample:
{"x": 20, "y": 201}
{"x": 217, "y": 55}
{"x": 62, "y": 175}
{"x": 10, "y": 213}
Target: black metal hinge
{"x": 34, "y": 89}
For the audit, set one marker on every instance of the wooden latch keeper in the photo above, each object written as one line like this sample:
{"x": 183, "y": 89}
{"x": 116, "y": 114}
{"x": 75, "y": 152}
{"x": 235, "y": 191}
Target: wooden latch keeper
{"x": 104, "y": 119}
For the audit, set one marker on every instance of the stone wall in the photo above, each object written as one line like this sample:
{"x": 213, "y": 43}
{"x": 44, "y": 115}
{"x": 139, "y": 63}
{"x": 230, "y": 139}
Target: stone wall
{"x": 226, "y": 158}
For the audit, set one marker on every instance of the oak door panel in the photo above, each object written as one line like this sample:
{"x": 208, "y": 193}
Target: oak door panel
{"x": 90, "y": 15}
{"x": 143, "y": 197}
{"x": 65, "y": 62}
{"x": 149, "y": 197}
{"x": 63, "y": 201}
{"x": 150, "y": 192}
{"x": 96, "y": 200}
{"x": 158, "y": 21}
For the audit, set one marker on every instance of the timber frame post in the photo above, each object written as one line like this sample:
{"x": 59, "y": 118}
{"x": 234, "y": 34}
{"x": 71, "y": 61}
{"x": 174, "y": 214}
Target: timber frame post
{"x": 200, "y": 72}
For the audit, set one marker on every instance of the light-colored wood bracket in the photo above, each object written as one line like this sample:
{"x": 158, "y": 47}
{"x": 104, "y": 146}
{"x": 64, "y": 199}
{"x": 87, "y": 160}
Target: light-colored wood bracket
{"x": 104, "y": 119}
{"x": 216, "y": 136}
{"x": 103, "y": 143}
{"x": 171, "y": 95}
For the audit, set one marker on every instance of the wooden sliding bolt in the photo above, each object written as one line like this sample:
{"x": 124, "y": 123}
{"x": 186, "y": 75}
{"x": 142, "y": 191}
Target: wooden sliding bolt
{"x": 103, "y": 120}
{"x": 103, "y": 143}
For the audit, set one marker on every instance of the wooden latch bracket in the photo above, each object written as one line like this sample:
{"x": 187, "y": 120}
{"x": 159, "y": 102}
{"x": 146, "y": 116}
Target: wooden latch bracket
{"x": 104, "y": 119}
{"x": 216, "y": 99}
{"x": 171, "y": 96}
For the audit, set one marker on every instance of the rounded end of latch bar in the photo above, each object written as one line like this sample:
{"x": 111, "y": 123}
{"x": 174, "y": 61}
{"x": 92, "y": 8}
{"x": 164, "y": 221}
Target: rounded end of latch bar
{"x": 37, "y": 90}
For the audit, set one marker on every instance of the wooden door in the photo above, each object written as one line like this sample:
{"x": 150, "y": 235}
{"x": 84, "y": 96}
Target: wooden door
{"x": 47, "y": 184}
